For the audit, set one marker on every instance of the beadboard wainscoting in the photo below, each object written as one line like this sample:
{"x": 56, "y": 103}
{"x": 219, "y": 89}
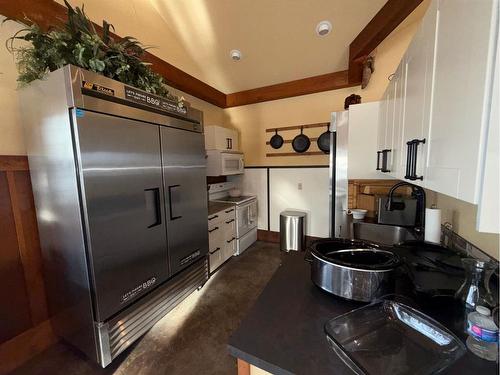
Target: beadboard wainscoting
{"x": 304, "y": 188}
{"x": 24, "y": 329}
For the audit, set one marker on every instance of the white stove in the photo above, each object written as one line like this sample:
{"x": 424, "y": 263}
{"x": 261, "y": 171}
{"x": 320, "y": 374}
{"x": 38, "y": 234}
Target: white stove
{"x": 246, "y": 213}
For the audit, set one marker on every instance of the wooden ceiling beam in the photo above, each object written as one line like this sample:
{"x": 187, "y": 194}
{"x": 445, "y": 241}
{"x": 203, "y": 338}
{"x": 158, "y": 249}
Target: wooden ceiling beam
{"x": 305, "y": 86}
{"x": 381, "y": 25}
{"x": 47, "y": 13}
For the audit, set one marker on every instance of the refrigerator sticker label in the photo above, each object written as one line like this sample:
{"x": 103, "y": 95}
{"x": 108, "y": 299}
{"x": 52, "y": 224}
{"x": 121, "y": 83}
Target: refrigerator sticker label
{"x": 138, "y": 289}
{"x": 80, "y": 113}
{"x": 98, "y": 88}
{"x": 151, "y": 100}
{"x": 190, "y": 257}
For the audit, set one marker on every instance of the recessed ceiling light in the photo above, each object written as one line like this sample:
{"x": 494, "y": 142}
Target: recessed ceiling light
{"x": 323, "y": 28}
{"x": 235, "y": 55}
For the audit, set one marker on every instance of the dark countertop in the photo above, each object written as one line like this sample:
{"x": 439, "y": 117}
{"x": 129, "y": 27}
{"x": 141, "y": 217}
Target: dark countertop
{"x": 283, "y": 333}
{"x": 214, "y": 207}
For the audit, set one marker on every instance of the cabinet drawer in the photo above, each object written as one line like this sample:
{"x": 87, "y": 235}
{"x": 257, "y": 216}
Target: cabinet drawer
{"x": 228, "y": 214}
{"x": 215, "y": 259}
{"x": 215, "y": 219}
{"x": 229, "y": 248}
{"x": 215, "y": 236}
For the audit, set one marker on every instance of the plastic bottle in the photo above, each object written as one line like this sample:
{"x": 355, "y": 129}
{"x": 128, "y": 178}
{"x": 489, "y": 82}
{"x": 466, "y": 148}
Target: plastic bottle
{"x": 483, "y": 334}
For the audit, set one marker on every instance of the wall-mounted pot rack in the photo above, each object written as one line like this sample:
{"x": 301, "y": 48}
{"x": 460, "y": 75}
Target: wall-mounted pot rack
{"x": 307, "y": 153}
{"x": 296, "y": 127}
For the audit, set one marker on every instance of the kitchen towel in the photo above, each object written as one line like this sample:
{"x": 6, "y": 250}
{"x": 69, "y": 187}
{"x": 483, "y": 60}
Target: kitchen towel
{"x": 433, "y": 225}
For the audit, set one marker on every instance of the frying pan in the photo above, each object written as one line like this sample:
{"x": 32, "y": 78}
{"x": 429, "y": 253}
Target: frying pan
{"x": 301, "y": 142}
{"x": 324, "y": 141}
{"x": 276, "y": 140}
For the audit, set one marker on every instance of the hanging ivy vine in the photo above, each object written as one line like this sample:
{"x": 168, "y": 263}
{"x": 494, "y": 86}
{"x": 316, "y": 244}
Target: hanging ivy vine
{"x": 78, "y": 43}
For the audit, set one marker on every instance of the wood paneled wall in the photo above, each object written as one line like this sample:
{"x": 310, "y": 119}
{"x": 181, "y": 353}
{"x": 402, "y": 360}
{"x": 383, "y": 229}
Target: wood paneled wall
{"x": 24, "y": 326}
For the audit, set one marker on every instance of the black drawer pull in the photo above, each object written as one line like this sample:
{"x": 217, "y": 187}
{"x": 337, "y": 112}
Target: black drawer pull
{"x": 213, "y": 217}
{"x": 228, "y": 211}
{"x": 210, "y": 231}
{"x": 231, "y": 240}
{"x": 230, "y": 221}
{"x": 378, "y": 160}
{"x": 384, "y": 168}
{"x": 411, "y": 159}
{"x": 213, "y": 252}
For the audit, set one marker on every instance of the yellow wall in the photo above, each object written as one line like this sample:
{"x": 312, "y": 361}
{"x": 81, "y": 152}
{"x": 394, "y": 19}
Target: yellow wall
{"x": 11, "y": 131}
{"x": 462, "y": 216}
{"x": 252, "y": 120}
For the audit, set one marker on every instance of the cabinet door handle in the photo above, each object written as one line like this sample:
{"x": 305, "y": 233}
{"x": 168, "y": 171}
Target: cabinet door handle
{"x": 384, "y": 168}
{"x": 411, "y": 159}
{"x": 213, "y": 252}
{"x": 230, "y": 143}
{"x": 213, "y": 230}
{"x": 228, "y": 211}
{"x": 231, "y": 240}
{"x": 378, "y": 160}
{"x": 230, "y": 221}
{"x": 213, "y": 217}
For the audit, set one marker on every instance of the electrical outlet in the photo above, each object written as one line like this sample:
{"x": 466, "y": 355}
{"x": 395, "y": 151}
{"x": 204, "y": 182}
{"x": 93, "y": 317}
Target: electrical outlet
{"x": 299, "y": 186}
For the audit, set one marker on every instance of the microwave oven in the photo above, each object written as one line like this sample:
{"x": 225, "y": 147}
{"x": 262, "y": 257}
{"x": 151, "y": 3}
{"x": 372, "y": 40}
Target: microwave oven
{"x": 224, "y": 163}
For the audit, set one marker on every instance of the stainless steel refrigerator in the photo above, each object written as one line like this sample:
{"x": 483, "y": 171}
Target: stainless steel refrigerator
{"x": 340, "y": 225}
{"x": 119, "y": 183}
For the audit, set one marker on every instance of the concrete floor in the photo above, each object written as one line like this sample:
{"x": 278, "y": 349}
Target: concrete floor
{"x": 192, "y": 338}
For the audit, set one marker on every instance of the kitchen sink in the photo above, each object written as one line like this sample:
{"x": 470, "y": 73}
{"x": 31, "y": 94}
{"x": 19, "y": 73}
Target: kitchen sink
{"x": 381, "y": 233}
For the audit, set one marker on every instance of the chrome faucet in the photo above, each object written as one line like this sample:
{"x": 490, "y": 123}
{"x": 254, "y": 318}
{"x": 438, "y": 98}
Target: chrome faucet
{"x": 416, "y": 192}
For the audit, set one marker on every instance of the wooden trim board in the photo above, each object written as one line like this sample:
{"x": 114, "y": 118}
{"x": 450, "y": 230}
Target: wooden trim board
{"x": 13, "y": 163}
{"x": 307, "y": 153}
{"x": 294, "y": 127}
{"x": 23, "y": 347}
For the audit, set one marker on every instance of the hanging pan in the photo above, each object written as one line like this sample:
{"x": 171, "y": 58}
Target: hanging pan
{"x": 276, "y": 140}
{"x": 301, "y": 142}
{"x": 324, "y": 141}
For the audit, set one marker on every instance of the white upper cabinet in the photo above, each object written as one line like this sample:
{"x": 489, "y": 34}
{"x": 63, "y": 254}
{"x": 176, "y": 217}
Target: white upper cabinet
{"x": 362, "y": 141}
{"x": 439, "y": 106}
{"x": 219, "y": 138}
{"x": 465, "y": 42}
{"x": 488, "y": 215}
{"x": 419, "y": 62}
{"x": 397, "y": 153}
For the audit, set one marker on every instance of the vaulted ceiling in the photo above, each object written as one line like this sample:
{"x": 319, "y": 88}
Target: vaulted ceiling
{"x": 277, "y": 37}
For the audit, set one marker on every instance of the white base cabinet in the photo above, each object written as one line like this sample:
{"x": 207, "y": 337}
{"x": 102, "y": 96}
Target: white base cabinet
{"x": 221, "y": 237}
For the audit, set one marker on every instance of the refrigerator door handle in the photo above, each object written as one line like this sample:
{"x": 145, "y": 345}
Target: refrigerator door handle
{"x": 153, "y": 195}
{"x": 170, "y": 205}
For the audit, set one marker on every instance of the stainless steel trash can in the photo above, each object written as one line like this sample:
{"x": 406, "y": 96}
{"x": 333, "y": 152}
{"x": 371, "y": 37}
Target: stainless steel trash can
{"x": 293, "y": 230}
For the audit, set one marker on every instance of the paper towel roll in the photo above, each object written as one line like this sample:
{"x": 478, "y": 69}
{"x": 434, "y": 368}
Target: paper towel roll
{"x": 433, "y": 225}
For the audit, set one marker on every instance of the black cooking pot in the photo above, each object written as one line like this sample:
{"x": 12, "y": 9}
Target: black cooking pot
{"x": 355, "y": 270}
{"x": 301, "y": 142}
{"x": 323, "y": 141}
{"x": 276, "y": 140}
